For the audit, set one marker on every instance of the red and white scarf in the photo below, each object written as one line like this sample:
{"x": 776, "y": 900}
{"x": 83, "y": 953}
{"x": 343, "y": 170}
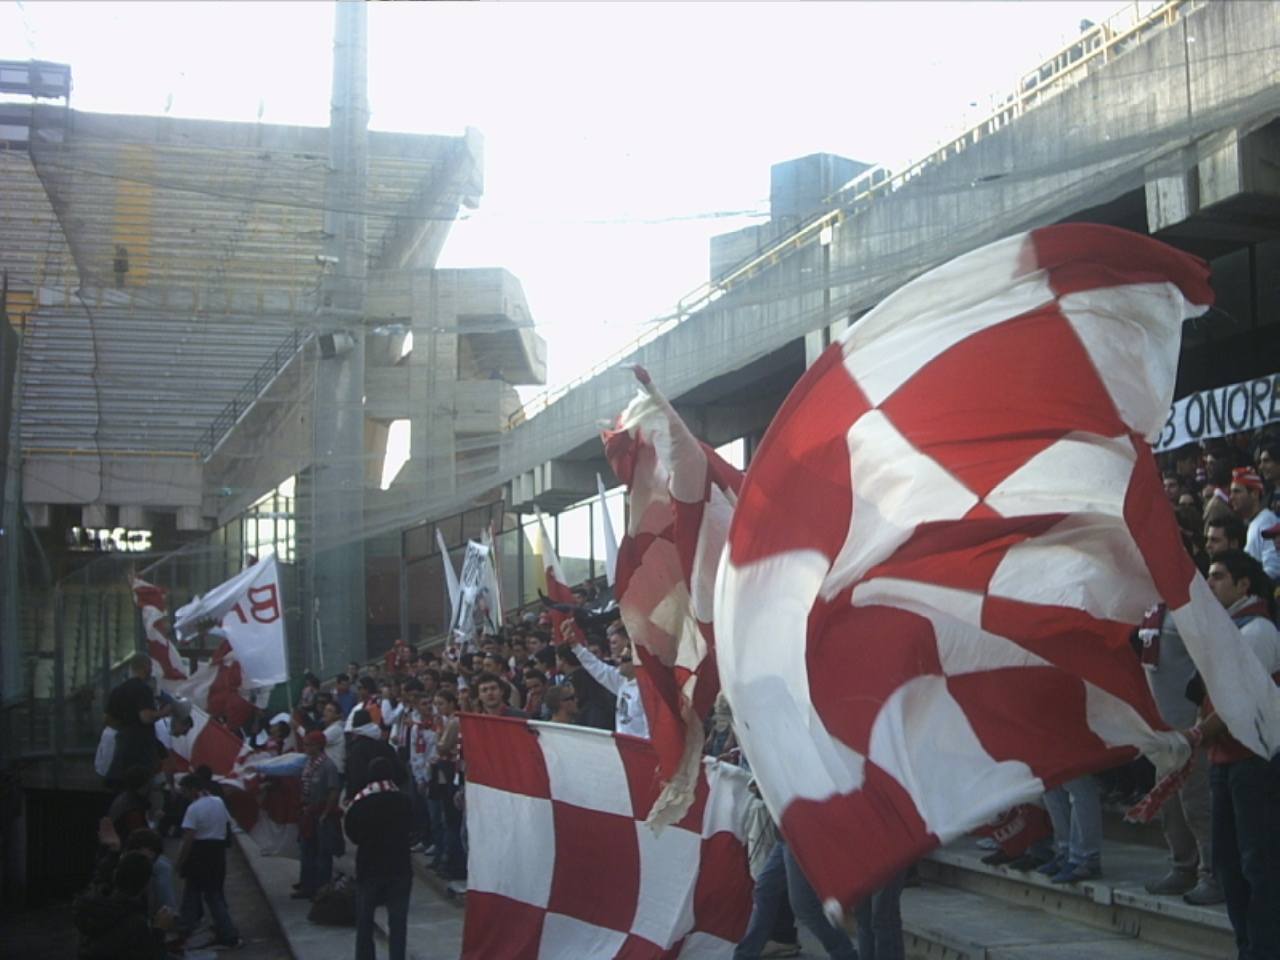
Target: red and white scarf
{"x": 377, "y": 786}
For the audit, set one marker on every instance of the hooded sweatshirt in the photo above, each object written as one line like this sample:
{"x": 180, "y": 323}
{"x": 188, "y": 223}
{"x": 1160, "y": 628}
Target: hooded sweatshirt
{"x": 366, "y": 744}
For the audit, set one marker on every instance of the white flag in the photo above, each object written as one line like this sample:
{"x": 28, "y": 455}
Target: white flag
{"x": 610, "y": 540}
{"x": 450, "y": 576}
{"x": 249, "y": 610}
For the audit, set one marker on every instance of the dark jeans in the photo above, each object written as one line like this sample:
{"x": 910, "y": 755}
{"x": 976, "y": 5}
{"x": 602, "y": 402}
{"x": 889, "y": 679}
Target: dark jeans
{"x": 781, "y": 876}
{"x": 1246, "y": 851}
{"x": 455, "y": 860}
{"x": 210, "y": 892}
{"x": 394, "y": 893}
{"x": 316, "y": 868}
{"x": 880, "y": 923}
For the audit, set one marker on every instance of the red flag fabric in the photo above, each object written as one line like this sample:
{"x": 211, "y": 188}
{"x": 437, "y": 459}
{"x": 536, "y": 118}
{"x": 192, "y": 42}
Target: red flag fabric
{"x": 208, "y": 743}
{"x": 682, "y": 495}
{"x": 1018, "y": 829}
{"x": 166, "y": 661}
{"x": 562, "y": 867}
{"x": 558, "y": 589}
{"x": 944, "y": 543}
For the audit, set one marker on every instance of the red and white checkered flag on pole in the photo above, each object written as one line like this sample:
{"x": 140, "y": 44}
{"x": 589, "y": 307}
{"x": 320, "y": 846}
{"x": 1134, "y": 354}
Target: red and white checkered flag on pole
{"x": 944, "y": 542}
{"x": 561, "y": 865}
{"x": 682, "y": 495}
{"x": 166, "y": 661}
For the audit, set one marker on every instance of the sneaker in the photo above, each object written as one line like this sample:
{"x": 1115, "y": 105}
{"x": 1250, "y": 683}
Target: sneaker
{"x": 986, "y": 843}
{"x": 1076, "y": 872}
{"x": 1053, "y": 867}
{"x": 1206, "y": 893}
{"x": 456, "y": 887}
{"x": 1029, "y": 861}
{"x": 227, "y": 944}
{"x": 774, "y": 949}
{"x": 1172, "y": 884}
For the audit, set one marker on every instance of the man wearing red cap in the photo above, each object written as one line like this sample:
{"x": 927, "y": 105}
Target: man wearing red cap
{"x": 1246, "y": 500}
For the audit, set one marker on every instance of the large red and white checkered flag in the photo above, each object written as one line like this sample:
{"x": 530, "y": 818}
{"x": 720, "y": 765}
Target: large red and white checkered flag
{"x": 942, "y": 546}
{"x": 682, "y": 496}
{"x": 561, "y": 865}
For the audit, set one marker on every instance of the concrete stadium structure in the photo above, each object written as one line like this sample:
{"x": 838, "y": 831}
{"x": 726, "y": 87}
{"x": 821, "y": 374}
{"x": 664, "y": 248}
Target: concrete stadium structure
{"x": 219, "y": 323}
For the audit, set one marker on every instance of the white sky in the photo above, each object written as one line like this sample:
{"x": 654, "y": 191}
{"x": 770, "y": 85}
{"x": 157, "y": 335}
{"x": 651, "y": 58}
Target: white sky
{"x": 599, "y": 118}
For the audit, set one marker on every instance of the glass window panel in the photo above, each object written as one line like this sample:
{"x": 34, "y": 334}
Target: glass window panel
{"x": 574, "y": 545}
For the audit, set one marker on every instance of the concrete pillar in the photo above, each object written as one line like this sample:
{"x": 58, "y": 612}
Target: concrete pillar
{"x": 337, "y": 552}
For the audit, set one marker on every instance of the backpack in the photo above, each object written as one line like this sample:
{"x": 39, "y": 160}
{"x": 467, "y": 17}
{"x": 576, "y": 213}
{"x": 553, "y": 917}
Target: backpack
{"x": 335, "y": 903}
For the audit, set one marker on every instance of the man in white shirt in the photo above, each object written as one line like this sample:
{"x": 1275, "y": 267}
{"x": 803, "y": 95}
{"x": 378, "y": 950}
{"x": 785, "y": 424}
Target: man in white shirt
{"x": 1246, "y": 500}
{"x": 620, "y": 680}
{"x": 202, "y": 861}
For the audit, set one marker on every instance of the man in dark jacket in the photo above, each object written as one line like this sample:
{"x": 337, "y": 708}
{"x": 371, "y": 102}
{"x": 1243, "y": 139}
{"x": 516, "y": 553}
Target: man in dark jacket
{"x": 132, "y": 708}
{"x": 365, "y": 746}
{"x": 378, "y": 822}
{"x": 113, "y": 924}
{"x": 596, "y": 705}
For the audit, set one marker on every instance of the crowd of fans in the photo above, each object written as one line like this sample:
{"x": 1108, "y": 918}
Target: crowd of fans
{"x": 393, "y": 727}
{"x": 1219, "y": 823}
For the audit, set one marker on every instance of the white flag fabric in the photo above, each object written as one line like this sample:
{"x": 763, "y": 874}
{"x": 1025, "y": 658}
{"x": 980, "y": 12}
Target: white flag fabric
{"x": 450, "y": 576}
{"x": 249, "y": 609}
{"x": 610, "y": 538}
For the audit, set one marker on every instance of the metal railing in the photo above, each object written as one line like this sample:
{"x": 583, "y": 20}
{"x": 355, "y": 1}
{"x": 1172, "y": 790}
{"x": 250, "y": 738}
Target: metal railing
{"x": 249, "y": 392}
{"x": 1117, "y": 34}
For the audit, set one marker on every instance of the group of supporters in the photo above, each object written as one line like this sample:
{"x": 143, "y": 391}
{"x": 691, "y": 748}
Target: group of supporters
{"x": 131, "y": 908}
{"x": 1220, "y": 823}
{"x": 385, "y": 762}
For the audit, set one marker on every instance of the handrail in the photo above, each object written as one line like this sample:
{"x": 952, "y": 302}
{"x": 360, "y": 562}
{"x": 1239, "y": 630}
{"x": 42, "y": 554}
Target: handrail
{"x": 249, "y": 392}
{"x": 97, "y": 452}
{"x": 880, "y": 180}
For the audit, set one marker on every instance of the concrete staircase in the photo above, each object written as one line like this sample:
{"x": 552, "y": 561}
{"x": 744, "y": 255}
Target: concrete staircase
{"x": 966, "y": 910}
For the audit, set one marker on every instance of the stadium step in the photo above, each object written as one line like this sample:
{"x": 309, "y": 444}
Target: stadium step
{"x": 978, "y": 912}
{"x": 950, "y": 924}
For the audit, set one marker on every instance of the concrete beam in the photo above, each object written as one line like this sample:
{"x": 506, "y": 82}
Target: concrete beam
{"x": 416, "y": 239}
{"x": 555, "y": 484}
{"x": 136, "y": 518}
{"x": 1236, "y": 163}
{"x": 39, "y": 515}
{"x": 95, "y": 516}
{"x": 192, "y": 519}
{"x": 158, "y": 482}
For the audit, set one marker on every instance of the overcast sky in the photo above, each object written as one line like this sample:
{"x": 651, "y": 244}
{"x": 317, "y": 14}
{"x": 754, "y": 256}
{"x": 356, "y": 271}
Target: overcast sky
{"x": 619, "y": 137}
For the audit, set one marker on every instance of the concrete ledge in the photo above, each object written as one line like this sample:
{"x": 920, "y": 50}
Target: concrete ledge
{"x": 951, "y": 924}
{"x": 1117, "y": 902}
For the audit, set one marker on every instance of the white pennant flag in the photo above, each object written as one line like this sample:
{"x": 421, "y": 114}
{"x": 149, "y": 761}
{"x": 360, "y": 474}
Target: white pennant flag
{"x": 248, "y": 607}
{"x": 610, "y": 539}
{"x": 450, "y": 576}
